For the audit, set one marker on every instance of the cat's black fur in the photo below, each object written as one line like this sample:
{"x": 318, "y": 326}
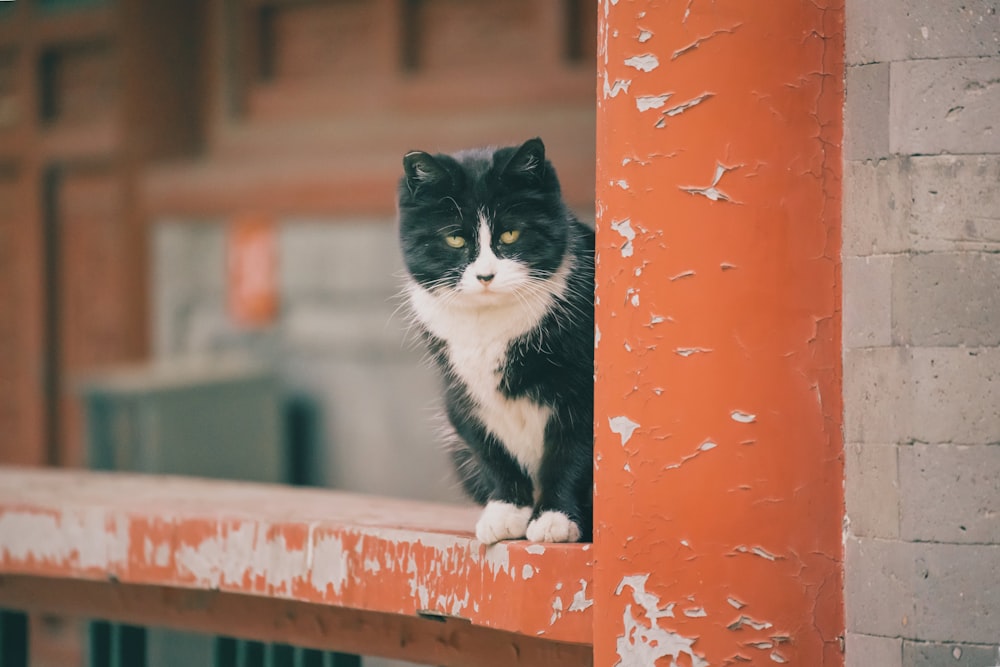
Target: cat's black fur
{"x": 553, "y": 364}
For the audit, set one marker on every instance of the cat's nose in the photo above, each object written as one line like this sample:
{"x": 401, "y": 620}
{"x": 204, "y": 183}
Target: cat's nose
{"x": 485, "y": 279}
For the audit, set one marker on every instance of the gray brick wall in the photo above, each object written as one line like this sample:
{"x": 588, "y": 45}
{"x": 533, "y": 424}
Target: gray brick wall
{"x": 922, "y": 333}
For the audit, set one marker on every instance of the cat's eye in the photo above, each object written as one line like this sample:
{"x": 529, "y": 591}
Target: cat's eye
{"x": 455, "y": 241}
{"x": 509, "y": 237}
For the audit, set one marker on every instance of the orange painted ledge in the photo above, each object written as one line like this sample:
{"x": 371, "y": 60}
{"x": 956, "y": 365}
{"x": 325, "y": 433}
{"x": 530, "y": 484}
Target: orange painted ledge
{"x": 350, "y": 551}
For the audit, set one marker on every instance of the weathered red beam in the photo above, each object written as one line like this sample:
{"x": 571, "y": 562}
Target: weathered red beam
{"x": 447, "y": 642}
{"x": 358, "y": 552}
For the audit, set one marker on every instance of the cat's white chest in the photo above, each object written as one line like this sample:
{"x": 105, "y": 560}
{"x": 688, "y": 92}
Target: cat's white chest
{"x": 477, "y": 342}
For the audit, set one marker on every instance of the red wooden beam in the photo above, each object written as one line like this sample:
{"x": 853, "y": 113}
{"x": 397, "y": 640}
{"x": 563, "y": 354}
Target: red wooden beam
{"x": 362, "y": 553}
{"x": 719, "y": 468}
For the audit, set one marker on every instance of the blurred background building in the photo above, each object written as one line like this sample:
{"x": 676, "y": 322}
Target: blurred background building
{"x": 198, "y": 256}
{"x": 212, "y": 180}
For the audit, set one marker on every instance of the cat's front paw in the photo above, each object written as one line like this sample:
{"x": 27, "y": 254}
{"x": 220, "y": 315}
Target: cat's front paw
{"x": 502, "y": 521}
{"x": 552, "y": 526}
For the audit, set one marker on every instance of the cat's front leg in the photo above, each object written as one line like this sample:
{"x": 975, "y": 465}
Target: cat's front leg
{"x": 563, "y": 512}
{"x": 509, "y": 507}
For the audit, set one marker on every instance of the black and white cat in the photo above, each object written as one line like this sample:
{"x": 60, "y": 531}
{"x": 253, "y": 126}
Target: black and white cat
{"x": 501, "y": 284}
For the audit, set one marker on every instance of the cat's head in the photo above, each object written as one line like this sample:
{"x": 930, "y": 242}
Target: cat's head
{"x": 482, "y": 226}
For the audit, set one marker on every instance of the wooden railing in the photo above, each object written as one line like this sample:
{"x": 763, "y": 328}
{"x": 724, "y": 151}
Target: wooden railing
{"x": 321, "y": 569}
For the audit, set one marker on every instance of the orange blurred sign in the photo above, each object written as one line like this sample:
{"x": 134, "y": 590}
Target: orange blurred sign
{"x": 252, "y": 271}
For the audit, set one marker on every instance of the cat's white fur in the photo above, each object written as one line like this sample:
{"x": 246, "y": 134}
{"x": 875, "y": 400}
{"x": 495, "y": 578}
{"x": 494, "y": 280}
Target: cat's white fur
{"x": 552, "y": 526}
{"x": 502, "y": 521}
{"x": 478, "y": 322}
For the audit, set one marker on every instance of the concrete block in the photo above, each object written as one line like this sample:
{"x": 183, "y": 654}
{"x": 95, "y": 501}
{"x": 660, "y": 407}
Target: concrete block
{"x": 934, "y": 395}
{"x": 876, "y": 207}
{"x": 933, "y": 654}
{"x": 944, "y": 106}
{"x": 956, "y": 202}
{"x": 956, "y": 395}
{"x": 878, "y": 401}
{"x": 949, "y": 493}
{"x": 330, "y": 258}
{"x": 872, "y": 490}
{"x": 868, "y": 301}
{"x": 922, "y": 591}
{"x": 869, "y": 651}
{"x": 891, "y": 30}
{"x": 866, "y": 112}
{"x": 940, "y": 299}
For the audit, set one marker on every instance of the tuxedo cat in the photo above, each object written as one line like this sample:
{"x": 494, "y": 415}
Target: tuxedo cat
{"x": 501, "y": 285}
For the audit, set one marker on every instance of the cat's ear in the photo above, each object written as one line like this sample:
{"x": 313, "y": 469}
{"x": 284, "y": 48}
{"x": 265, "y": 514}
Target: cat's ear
{"x": 422, "y": 170}
{"x": 527, "y": 162}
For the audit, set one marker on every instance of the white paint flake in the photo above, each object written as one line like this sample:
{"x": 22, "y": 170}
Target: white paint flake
{"x": 707, "y": 445}
{"x": 645, "y": 36}
{"x": 580, "y": 599}
{"x": 641, "y": 645}
{"x": 695, "y": 612}
{"x": 712, "y": 192}
{"x": 682, "y": 274}
{"x": 647, "y": 102}
{"x": 83, "y": 538}
{"x": 688, "y": 351}
{"x": 535, "y": 549}
{"x": 622, "y": 183}
{"x": 736, "y": 604}
{"x": 624, "y": 227}
{"x": 623, "y": 426}
{"x": 646, "y": 62}
{"x": 597, "y": 336}
{"x": 746, "y": 620}
{"x": 681, "y": 108}
{"x": 756, "y": 551}
{"x": 743, "y": 417}
{"x": 777, "y": 657}
{"x": 618, "y": 86}
{"x": 329, "y": 566}
{"x": 527, "y": 572}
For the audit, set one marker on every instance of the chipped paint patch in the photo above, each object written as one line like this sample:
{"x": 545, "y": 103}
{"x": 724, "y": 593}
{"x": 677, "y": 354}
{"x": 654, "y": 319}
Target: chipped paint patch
{"x": 742, "y": 417}
{"x": 736, "y": 604}
{"x": 712, "y": 192}
{"x": 695, "y": 612}
{"x": 645, "y": 36}
{"x": 688, "y": 351}
{"x": 87, "y": 539}
{"x": 642, "y": 644}
{"x": 756, "y": 551}
{"x": 580, "y": 599}
{"x": 647, "y": 102}
{"x": 646, "y": 62}
{"x": 527, "y": 572}
{"x": 624, "y": 227}
{"x": 623, "y": 426}
{"x": 618, "y": 86}
{"x": 682, "y": 274}
{"x": 701, "y": 40}
{"x": 746, "y": 621}
{"x": 329, "y": 565}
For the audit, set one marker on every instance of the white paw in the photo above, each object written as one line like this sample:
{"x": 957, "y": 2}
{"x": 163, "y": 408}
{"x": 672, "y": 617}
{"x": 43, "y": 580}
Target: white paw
{"x": 502, "y": 521}
{"x": 552, "y": 526}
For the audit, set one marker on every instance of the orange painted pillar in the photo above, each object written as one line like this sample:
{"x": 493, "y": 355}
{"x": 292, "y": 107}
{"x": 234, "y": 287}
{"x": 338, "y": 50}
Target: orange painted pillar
{"x": 719, "y": 467}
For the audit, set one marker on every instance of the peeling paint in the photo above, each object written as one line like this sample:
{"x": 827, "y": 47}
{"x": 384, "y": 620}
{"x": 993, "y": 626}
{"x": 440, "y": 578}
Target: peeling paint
{"x": 701, "y": 40}
{"x": 736, "y": 604}
{"x": 646, "y": 62}
{"x": 645, "y": 36}
{"x": 527, "y": 572}
{"x": 688, "y": 351}
{"x": 647, "y": 102}
{"x": 623, "y": 426}
{"x": 695, "y": 612}
{"x": 712, "y": 192}
{"x": 580, "y": 599}
{"x": 624, "y": 227}
{"x": 618, "y": 86}
{"x": 642, "y": 645}
{"x": 682, "y": 274}
{"x": 742, "y": 621}
{"x": 743, "y": 417}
